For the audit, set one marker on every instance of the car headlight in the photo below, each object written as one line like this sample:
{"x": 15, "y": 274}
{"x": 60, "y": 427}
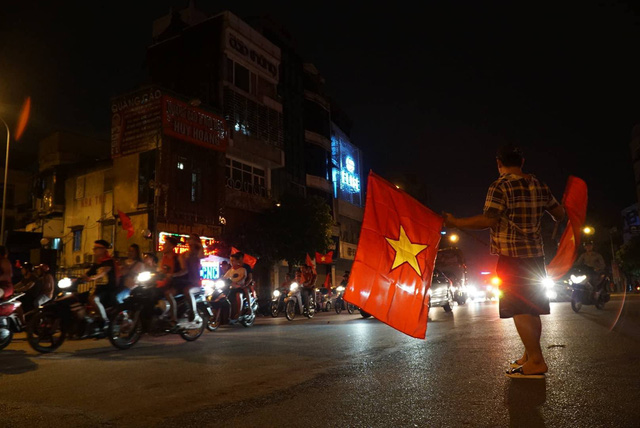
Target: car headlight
{"x": 294, "y": 286}
{"x": 65, "y": 283}
{"x": 578, "y": 279}
{"x": 276, "y": 293}
{"x": 340, "y": 289}
{"x": 548, "y": 283}
{"x": 220, "y": 284}
{"x": 143, "y": 276}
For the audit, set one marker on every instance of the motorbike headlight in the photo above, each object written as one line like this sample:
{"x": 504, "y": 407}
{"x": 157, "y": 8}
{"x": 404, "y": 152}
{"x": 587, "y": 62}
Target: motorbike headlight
{"x": 220, "y": 284}
{"x": 143, "y": 276}
{"x": 472, "y": 290}
{"x": 294, "y": 286}
{"x": 578, "y": 279}
{"x": 340, "y": 289}
{"x": 551, "y": 294}
{"x": 64, "y": 283}
{"x": 208, "y": 289}
{"x": 548, "y": 283}
{"x": 276, "y": 293}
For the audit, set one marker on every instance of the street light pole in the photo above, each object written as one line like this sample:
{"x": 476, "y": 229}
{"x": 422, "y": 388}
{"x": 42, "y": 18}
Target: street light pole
{"x": 4, "y": 185}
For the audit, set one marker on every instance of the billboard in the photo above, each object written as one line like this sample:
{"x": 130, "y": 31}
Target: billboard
{"x": 136, "y": 122}
{"x": 346, "y": 175}
{"x": 194, "y": 125}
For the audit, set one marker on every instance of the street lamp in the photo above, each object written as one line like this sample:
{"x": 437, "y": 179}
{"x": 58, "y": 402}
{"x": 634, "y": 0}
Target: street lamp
{"x": 22, "y": 123}
{"x": 4, "y": 184}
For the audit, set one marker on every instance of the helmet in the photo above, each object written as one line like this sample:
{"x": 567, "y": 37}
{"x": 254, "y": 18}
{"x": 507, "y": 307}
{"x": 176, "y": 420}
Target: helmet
{"x": 44, "y": 267}
{"x": 27, "y": 266}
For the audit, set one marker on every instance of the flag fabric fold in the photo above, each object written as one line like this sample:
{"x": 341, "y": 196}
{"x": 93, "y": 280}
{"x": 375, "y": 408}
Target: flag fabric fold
{"x": 395, "y": 257}
{"x": 324, "y": 259}
{"x": 126, "y": 224}
{"x": 574, "y": 201}
{"x": 250, "y": 260}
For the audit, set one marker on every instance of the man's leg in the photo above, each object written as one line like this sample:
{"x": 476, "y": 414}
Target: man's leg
{"x": 530, "y": 329}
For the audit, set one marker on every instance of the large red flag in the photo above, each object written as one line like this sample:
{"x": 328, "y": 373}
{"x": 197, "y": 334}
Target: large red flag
{"x": 324, "y": 259}
{"x": 575, "y": 204}
{"x": 250, "y": 260}
{"x": 126, "y": 224}
{"x": 395, "y": 257}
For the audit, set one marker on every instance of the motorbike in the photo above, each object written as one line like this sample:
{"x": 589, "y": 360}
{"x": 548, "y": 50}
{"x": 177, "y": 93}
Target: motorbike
{"x": 69, "y": 314}
{"x": 278, "y": 301}
{"x": 9, "y": 321}
{"x": 146, "y": 310}
{"x": 221, "y": 305}
{"x": 340, "y": 302}
{"x": 324, "y": 300}
{"x": 294, "y": 303}
{"x": 588, "y": 288}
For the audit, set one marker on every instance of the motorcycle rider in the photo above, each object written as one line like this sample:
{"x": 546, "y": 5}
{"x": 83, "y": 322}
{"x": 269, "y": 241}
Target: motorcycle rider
{"x": 168, "y": 266}
{"x": 595, "y": 261}
{"x": 132, "y": 266}
{"x": 6, "y": 273}
{"x": 249, "y": 280}
{"x": 238, "y": 276}
{"x": 30, "y": 284}
{"x": 103, "y": 272}
{"x": 48, "y": 284}
{"x": 309, "y": 278}
{"x": 187, "y": 279}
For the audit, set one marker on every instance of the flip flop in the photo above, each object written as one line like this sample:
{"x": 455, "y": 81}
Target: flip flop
{"x": 517, "y": 373}
{"x": 514, "y": 364}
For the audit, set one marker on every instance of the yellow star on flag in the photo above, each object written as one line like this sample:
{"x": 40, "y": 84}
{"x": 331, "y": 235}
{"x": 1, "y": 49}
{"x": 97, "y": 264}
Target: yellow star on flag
{"x": 406, "y": 251}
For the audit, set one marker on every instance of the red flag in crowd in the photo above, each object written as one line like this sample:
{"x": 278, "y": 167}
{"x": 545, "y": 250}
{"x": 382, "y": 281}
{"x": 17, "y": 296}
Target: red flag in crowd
{"x": 394, "y": 261}
{"x": 324, "y": 259}
{"x": 126, "y": 224}
{"x": 327, "y": 281}
{"x": 310, "y": 262}
{"x": 575, "y": 203}
{"x": 250, "y": 260}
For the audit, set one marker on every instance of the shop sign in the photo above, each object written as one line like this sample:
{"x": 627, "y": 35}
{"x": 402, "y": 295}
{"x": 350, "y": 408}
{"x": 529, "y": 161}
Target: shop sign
{"x": 194, "y": 125}
{"x": 207, "y": 243}
{"x": 251, "y": 54}
{"x": 135, "y": 122}
{"x": 348, "y": 251}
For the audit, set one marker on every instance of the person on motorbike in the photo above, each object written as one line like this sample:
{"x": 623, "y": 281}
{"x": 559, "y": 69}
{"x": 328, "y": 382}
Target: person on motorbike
{"x": 6, "y": 273}
{"x": 595, "y": 261}
{"x": 187, "y": 279}
{"x": 103, "y": 272}
{"x": 48, "y": 284}
{"x": 168, "y": 266}
{"x": 249, "y": 281}
{"x": 238, "y": 276}
{"x": 132, "y": 266}
{"x": 309, "y": 278}
{"x": 30, "y": 284}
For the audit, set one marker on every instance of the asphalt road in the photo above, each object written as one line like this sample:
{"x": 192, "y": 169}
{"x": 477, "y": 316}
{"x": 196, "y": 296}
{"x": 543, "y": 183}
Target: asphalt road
{"x": 339, "y": 370}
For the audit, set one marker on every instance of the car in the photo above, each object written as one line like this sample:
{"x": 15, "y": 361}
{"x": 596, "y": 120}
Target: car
{"x": 441, "y": 292}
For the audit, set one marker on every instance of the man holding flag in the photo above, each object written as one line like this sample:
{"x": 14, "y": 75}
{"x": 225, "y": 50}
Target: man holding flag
{"x": 513, "y": 210}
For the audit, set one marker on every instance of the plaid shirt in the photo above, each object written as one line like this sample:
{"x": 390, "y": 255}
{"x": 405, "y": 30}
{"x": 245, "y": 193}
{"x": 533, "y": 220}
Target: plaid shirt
{"x": 519, "y": 203}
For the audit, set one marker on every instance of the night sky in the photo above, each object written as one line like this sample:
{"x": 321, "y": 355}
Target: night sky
{"x": 431, "y": 92}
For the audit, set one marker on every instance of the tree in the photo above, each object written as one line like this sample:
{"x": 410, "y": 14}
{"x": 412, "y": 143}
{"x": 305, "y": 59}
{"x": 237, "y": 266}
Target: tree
{"x": 297, "y": 227}
{"x": 628, "y": 257}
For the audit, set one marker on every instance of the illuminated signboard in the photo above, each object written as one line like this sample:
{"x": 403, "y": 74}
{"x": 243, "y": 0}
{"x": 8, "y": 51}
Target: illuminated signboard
{"x": 345, "y": 158}
{"x": 210, "y": 269}
{"x": 207, "y": 243}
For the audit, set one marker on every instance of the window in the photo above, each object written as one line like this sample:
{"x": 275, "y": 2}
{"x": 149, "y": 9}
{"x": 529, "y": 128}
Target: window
{"x": 196, "y": 186}
{"x": 77, "y": 240}
{"x": 245, "y": 178}
{"x": 146, "y": 175}
{"x": 241, "y": 77}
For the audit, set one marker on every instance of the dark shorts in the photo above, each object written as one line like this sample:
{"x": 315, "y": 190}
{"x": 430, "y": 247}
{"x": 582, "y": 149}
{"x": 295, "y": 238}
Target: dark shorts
{"x": 521, "y": 287}
{"x": 107, "y": 295}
